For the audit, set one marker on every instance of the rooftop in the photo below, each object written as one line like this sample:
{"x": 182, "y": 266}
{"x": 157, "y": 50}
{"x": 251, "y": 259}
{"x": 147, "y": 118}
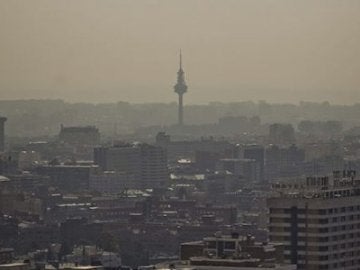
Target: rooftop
{"x": 79, "y": 129}
{"x": 338, "y": 185}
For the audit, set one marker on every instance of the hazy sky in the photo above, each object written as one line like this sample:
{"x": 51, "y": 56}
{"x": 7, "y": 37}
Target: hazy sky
{"x": 234, "y": 50}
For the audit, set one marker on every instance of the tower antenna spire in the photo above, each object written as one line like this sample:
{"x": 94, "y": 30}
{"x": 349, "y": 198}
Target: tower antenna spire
{"x": 180, "y": 60}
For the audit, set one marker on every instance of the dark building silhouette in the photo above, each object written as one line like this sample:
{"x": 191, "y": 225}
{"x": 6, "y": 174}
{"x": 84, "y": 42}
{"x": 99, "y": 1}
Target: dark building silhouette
{"x": 88, "y": 135}
{"x": 180, "y": 88}
{"x": 226, "y": 251}
{"x": 246, "y": 168}
{"x": 256, "y": 152}
{"x": 2, "y": 133}
{"x": 162, "y": 138}
{"x": 206, "y": 160}
{"x": 147, "y": 164}
{"x": 281, "y": 134}
{"x": 283, "y": 161}
{"x": 122, "y": 157}
{"x": 187, "y": 149}
{"x": 67, "y": 177}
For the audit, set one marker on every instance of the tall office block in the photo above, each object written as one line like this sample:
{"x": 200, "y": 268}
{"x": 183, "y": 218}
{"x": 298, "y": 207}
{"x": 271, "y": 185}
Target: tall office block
{"x": 256, "y": 152}
{"x": 146, "y": 164}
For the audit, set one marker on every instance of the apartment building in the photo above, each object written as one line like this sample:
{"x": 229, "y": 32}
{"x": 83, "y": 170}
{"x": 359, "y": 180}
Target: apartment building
{"x": 318, "y": 221}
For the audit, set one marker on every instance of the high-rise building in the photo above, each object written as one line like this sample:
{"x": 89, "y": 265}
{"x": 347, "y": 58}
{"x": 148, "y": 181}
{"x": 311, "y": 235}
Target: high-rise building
{"x": 121, "y": 158}
{"x": 281, "y": 134}
{"x": 111, "y": 182}
{"x": 283, "y": 162}
{"x": 154, "y": 171}
{"x": 187, "y": 149}
{"x": 146, "y": 164}
{"x": 246, "y": 168}
{"x": 180, "y": 88}
{"x": 87, "y": 135}
{"x": 257, "y": 153}
{"x": 2, "y": 133}
{"x": 318, "y": 220}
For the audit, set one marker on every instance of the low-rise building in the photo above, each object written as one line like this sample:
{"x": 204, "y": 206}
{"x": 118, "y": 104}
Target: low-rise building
{"x": 232, "y": 252}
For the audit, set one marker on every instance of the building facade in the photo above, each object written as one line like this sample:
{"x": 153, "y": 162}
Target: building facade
{"x": 87, "y": 135}
{"x": 318, "y": 220}
{"x": 257, "y": 153}
{"x": 146, "y": 164}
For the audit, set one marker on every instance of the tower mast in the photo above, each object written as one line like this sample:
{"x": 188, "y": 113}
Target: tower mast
{"x": 180, "y": 88}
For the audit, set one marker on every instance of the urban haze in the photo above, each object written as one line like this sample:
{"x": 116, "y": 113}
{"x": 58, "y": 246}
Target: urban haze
{"x": 193, "y": 135}
{"x": 100, "y": 51}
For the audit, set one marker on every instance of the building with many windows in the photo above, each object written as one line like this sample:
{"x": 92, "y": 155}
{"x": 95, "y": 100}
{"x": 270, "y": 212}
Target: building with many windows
{"x": 318, "y": 220}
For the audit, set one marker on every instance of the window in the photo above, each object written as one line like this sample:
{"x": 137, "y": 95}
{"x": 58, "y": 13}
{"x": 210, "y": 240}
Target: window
{"x": 323, "y": 221}
{"x": 229, "y": 245}
{"x": 323, "y": 248}
{"x": 323, "y": 239}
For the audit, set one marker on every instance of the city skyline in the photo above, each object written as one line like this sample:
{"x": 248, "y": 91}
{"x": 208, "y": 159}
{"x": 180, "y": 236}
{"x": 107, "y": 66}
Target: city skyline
{"x": 106, "y": 165}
